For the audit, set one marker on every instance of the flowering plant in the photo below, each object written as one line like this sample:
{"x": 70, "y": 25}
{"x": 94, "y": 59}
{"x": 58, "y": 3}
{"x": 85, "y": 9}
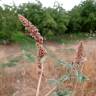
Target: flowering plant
{"x": 33, "y": 31}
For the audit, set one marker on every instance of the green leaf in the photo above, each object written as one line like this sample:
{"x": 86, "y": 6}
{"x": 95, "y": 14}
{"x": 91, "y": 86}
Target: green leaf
{"x": 30, "y": 58}
{"x": 80, "y": 77}
{"x": 69, "y": 66}
{"x": 66, "y": 92}
{"x": 64, "y": 78}
{"x": 63, "y": 63}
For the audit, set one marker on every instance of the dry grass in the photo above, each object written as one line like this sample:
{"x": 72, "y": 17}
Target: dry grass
{"x": 21, "y": 80}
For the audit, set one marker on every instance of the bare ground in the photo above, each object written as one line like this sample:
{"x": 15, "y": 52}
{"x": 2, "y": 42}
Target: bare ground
{"x": 21, "y": 79}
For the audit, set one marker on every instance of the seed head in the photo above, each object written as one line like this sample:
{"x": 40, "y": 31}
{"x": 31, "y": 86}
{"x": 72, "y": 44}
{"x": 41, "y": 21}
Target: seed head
{"x": 79, "y": 53}
{"x": 33, "y": 31}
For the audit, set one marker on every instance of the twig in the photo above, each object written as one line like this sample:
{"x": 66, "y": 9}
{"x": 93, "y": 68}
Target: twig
{"x": 50, "y": 91}
{"x": 39, "y": 82}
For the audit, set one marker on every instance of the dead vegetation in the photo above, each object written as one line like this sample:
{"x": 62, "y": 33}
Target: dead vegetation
{"x": 21, "y": 79}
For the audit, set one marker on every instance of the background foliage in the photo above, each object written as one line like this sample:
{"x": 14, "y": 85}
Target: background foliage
{"x": 52, "y": 22}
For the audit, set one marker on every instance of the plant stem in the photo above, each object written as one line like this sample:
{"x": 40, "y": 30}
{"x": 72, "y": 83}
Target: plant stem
{"x": 50, "y": 91}
{"x": 39, "y": 82}
{"x": 82, "y": 67}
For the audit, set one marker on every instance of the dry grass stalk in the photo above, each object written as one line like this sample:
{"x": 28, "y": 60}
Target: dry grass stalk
{"x": 50, "y": 91}
{"x": 79, "y": 61}
{"x": 33, "y": 31}
{"x": 79, "y": 54}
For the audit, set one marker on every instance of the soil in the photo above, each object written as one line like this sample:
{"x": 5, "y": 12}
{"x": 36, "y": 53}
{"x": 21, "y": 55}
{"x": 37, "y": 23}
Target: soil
{"x": 22, "y": 79}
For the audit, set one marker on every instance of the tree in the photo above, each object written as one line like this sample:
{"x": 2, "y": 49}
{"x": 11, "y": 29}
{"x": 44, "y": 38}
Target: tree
{"x": 83, "y": 17}
{"x": 88, "y": 13}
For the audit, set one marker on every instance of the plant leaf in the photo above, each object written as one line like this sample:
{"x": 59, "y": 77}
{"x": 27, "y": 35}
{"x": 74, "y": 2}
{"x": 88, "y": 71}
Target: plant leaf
{"x": 80, "y": 77}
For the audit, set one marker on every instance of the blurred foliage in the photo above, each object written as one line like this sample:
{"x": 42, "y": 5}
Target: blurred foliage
{"x": 81, "y": 77}
{"x": 65, "y": 92}
{"x": 11, "y": 63}
{"x": 70, "y": 75}
{"x": 83, "y": 17}
{"x": 52, "y": 22}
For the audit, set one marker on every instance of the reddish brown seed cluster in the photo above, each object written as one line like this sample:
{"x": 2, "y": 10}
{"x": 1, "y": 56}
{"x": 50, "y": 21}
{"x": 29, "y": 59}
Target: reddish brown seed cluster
{"x": 79, "y": 53}
{"x": 42, "y": 52}
{"x": 33, "y": 31}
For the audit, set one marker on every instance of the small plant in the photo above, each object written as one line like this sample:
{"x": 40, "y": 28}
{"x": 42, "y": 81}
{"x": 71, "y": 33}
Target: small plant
{"x": 80, "y": 56}
{"x": 33, "y": 31}
{"x": 74, "y": 73}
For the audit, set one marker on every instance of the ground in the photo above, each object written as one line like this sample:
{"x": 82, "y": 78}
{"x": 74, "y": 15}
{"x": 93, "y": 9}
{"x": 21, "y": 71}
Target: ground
{"x": 18, "y": 70}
